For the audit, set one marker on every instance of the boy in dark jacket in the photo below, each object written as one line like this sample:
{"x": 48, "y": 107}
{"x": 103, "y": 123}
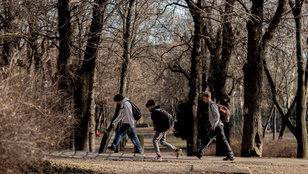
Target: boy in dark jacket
{"x": 160, "y": 127}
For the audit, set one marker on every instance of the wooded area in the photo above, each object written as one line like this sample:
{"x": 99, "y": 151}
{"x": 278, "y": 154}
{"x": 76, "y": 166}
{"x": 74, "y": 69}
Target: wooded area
{"x": 62, "y": 62}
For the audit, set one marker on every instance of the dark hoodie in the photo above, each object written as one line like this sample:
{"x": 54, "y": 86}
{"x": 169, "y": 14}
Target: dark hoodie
{"x": 159, "y": 121}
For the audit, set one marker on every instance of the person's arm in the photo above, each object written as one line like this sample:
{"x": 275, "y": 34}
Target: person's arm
{"x": 154, "y": 117}
{"x": 215, "y": 114}
{"x": 115, "y": 121}
{"x": 129, "y": 113}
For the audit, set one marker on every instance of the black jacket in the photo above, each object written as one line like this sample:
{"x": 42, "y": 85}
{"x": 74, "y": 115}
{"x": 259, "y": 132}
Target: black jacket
{"x": 159, "y": 121}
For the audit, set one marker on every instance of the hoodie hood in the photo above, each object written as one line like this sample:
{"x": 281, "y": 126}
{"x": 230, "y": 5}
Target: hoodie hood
{"x": 156, "y": 107}
{"x": 124, "y": 100}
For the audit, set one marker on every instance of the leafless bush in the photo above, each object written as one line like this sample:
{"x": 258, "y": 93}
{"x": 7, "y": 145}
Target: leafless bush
{"x": 271, "y": 148}
{"x": 280, "y": 148}
{"x": 32, "y": 120}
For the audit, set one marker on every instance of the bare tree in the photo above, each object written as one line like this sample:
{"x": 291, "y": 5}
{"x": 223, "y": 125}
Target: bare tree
{"x": 300, "y": 130}
{"x": 127, "y": 44}
{"x": 64, "y": 27}
{"x": 130, "y": 34}
{"x": 221, "y": 49}
{"x": 252, "y": 141}
{"x": 85, "y": 137}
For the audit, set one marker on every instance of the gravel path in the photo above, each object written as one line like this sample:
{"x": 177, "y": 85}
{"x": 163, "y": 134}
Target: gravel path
{"x": 128, "y": 163}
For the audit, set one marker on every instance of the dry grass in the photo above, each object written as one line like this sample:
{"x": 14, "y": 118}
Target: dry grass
{"x": 271, "y": 148}
{"x": 32, "y": 120}
{"x": 280, "y": 148}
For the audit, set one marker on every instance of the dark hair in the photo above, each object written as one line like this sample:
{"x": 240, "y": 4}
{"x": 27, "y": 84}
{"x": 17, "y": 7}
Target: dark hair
{"x": 118, "y": 97}
{"x": 150, "y": 103}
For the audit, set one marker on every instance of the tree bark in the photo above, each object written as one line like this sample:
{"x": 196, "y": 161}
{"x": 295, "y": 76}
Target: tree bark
{"x": 108, "y": 134}
{"x": 252, "y": 141}
{"x": 301, "y": 128}
{"x": 64, "y": 27}
{"x": 221, "y": 70}
{"x": 195, "y": 72}
{"x": 6, "y": 25}
{"x": 85, "y": 137}
{"x": 274, "y": 124}
{"x": 268, "y": 120}
{"x": 127, "y": 45}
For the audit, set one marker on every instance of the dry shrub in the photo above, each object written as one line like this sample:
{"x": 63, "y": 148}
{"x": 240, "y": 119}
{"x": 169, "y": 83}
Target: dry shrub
{"x": 32, "y": 121}
{"x": 280, "y": 148}
{"x": 271, "y": 148}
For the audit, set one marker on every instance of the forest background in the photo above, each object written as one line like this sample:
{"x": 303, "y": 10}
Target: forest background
{"x": 63, "y": 61}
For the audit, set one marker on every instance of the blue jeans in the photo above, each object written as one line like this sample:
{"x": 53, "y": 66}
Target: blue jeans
{"x": 122, "y": 131}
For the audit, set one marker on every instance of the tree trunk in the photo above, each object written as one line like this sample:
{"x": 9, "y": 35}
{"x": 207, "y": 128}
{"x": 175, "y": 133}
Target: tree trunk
{"x": 85, "y": 139}
{"x": 108, "y": 134}
{"x": 195, "y": 72}
{"x": 127, "y": 44}
{"x": 6, "y": 42}
{"x": 274, "y": 124}
{"x": 221, "y": 69}
{"x": 64, "y": 27}
{"x": 301, "y": 129}
{"x": 65, "y": 80}
{"x": 252, "y": 142}
{"x": 268, "y": 120}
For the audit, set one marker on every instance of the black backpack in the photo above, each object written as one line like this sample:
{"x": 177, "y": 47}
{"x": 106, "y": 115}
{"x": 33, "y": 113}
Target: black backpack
{"x": 136, "y": 111}
{"x": 168, "y": 118}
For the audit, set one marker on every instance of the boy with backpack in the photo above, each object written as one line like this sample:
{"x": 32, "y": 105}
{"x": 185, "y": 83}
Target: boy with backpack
{"x": 162, "y": 121}
{"x": 217, "y": 129}
{"x": 128, "y": 126}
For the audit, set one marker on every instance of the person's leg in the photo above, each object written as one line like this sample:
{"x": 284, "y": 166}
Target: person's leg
{"x": 157, "y": 136}
{"x": 134, "y": 138}
{"x": 121, "y": 132}
{"x": 207, "y": 141}
{"x": 165, "y": 143}
{"x": 221, "y": 135}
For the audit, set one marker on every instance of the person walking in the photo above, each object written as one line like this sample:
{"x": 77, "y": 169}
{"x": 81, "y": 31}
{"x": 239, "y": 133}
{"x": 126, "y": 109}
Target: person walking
{"x": 216, "y": 130}
{"x": 160, "y": 127}
{"x": 128, "y": 126}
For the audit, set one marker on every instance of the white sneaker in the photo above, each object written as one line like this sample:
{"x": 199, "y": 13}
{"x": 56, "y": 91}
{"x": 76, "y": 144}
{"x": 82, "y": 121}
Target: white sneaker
{"x": 157, "y": 158}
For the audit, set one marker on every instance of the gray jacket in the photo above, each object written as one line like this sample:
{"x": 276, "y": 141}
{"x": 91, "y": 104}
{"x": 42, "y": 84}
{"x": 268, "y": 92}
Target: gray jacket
{"x": 126, "y": 114}
{"x": 214, "y": 116}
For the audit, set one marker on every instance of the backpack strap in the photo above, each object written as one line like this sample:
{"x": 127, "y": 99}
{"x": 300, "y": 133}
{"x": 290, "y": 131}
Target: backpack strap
{"x": 162, "y": 111}
{"x": 211, "y": 105}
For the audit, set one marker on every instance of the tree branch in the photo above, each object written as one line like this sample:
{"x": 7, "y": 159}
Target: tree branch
{"x": 243, "y": 5}
{"x": 178, "y": 68}
{"x": 273, "y": 27}
{"x": 277, "y": 103}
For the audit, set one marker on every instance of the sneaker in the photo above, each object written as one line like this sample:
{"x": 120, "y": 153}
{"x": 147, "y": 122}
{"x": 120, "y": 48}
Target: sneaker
{"x": 110, "y": 148}
{"x": 178, "y": 152}
{"x": 198, "y": 154}
{"x": 137, "y": 152}
{"x": 157, "y": 158}
{"x": 229, "y": 158}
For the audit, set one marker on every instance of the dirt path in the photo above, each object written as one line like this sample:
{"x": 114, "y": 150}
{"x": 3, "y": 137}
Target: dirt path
{"x": 124, "y": 162}
{"x": 178, "y": 166}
